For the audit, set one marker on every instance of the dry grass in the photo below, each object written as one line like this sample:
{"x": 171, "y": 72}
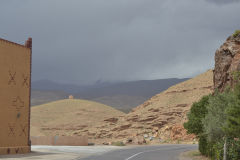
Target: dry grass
{"x": 186, "y": 92}
{"x": 193, "y": 155}
{"x": 66, "y": 117}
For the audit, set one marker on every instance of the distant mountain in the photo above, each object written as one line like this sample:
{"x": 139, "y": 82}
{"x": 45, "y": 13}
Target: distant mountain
{"x": 40, "y": 96}
{"x": 122, "y": 95}
{"x": 47, "y": 85}
{"x": 144, "y": 88}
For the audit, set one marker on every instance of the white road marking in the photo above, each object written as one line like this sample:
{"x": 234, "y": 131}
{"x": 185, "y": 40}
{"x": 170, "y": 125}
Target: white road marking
{"x": 141, "y": 153}
{"x": 135, "y": 155}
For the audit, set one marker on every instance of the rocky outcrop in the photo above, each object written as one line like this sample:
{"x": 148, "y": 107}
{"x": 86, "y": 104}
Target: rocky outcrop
{"x": 227, "y": 62}
{"x": 160, "y": 119}
{"x": 113, "y": 120}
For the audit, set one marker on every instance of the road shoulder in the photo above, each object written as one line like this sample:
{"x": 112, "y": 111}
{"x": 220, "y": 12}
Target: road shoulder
{"x": 192, "y": 155}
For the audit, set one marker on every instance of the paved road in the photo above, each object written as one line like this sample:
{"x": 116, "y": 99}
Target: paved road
{"x": 159, "y": 152}
{"x": 60, "y": 152}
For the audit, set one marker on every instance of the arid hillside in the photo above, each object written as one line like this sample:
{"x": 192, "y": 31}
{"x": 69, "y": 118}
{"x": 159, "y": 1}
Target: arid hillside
{"x": 158, "y": 119}
{"x": 161, "y": 117}
{"x": 68, "y": 117}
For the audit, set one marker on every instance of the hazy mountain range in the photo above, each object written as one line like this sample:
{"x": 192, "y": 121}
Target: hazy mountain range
{"x": 121, "y": 95}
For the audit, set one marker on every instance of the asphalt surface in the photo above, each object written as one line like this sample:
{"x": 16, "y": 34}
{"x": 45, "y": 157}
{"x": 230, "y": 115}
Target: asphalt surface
{"x": 159, "y": 152}
{"x": 60, "y": 152}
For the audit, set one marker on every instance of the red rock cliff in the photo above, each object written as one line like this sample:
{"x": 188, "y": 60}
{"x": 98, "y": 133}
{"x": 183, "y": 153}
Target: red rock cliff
{"x": 227, "y": 60}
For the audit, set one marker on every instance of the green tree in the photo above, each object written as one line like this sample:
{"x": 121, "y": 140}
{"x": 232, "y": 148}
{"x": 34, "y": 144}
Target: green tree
{"x": 233, "y": 115}
{"x": 197, "y": 113}
{"x": 216, "y": 117}
{"x": 194, "y": 124}
{"x": 216, "y": 120}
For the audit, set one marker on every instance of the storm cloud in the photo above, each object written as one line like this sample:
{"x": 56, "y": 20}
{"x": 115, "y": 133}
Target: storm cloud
{"x": 223, "y": 1}
{"x": 119, "y": 40}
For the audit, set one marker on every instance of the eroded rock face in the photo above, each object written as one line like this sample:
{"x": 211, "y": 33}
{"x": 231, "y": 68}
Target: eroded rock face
{"x": 227, "y": 61}
{"x": 159, "y": 120}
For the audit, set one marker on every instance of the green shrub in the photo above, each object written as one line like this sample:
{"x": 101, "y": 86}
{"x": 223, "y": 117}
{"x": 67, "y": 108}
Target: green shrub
{"x": 194, "y": 124}
{"x": 202, "y": 145}
{"x": 118, "y": 143}
{"x": 197, "y": 113}
{"x": 233, "y": 149}
{"x": 217, "y": 150}
{"x": 216, "y": 117}
{"x": 236, "y": 33}
{"x": 233, "y": 115}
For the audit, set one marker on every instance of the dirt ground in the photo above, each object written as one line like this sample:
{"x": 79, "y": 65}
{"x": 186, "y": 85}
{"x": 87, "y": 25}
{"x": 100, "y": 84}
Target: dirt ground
{"x": 192, "y": 155}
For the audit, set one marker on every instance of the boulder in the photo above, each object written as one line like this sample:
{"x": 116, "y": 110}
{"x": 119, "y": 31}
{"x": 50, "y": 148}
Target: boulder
{"x": 139, "y": 140}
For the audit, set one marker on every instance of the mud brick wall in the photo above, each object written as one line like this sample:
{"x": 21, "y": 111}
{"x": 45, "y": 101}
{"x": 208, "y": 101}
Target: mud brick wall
{"x": 60, "y": 140}
{"x": 15, "y": 85}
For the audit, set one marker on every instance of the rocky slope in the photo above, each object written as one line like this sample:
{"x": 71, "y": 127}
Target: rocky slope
{"x": 227, "y": 61}
{"x": 159, "y": 118}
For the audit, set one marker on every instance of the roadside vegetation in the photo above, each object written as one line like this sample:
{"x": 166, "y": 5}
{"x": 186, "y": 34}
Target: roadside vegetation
{"x": 193, "y": 155}
{"x": 118, "y": 143}
{"x": 236, "y": 33}
{"x": 215, "y": 120}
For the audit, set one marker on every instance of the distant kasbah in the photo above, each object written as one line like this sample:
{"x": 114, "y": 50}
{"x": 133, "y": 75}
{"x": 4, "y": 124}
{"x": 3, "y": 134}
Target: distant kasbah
{"x": 70, "y": 97}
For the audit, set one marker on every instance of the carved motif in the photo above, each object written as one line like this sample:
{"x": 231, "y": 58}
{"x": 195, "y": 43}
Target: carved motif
{"x": 25, "y": 81}
{"x": 12, "y": 78}
{"x": 16, "y": 150}
{"x": 23, "y": 130}
{"x": 11, "y": 130}
{"x": 18, "y": 103}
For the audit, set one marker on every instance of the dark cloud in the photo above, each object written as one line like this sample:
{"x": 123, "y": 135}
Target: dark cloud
{"x": 84, "y": 41}
{"x": 223, "y": 1}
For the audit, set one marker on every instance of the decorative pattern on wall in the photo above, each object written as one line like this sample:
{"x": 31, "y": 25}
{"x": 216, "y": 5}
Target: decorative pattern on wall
{"x": 11, "y": 130}
{"x": 12, "y": 76}
{"x": 25, "y": 81}
{"x": 18, "y": 103}
{"x": 23, "y": 130}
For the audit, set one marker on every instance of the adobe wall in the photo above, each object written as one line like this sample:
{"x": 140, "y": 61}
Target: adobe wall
{"x": 15, "y": 85}
{"x": 60, "y": 140}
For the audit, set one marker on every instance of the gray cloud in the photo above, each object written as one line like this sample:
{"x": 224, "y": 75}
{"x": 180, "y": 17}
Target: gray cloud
{"x": 84, "y": 41}
{"x": 223, "y": 1}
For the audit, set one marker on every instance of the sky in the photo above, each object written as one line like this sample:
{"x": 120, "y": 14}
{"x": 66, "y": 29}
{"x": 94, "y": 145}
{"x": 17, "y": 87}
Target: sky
{"x": 84, "y": 41}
